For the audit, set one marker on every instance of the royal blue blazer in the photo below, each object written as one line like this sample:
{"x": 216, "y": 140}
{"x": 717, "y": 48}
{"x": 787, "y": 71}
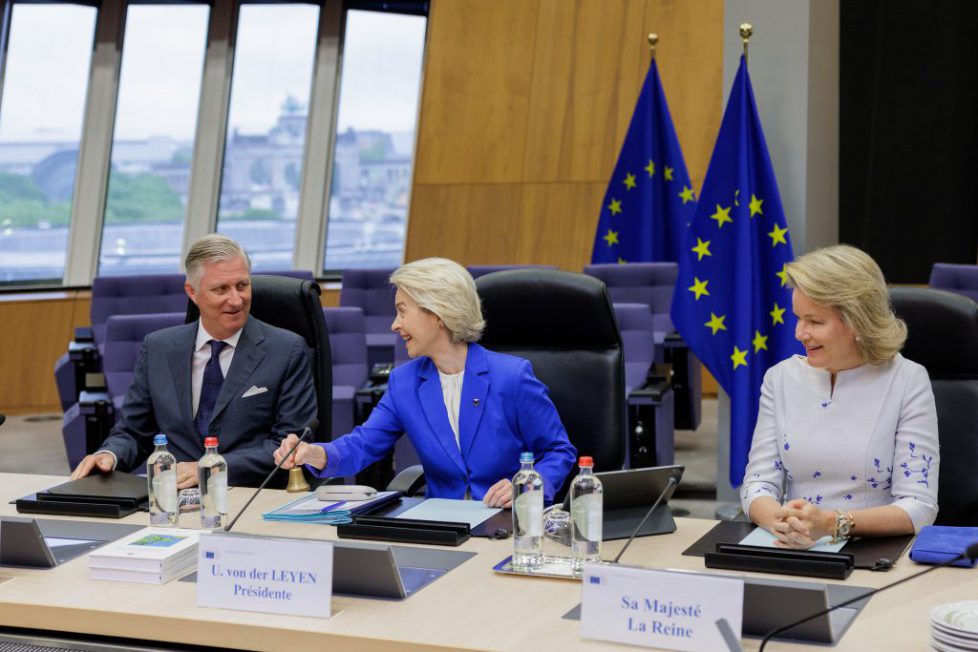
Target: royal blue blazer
{"x": 504, "y": 410}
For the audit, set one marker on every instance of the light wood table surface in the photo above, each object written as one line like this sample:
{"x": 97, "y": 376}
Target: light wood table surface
{"x": 470, "y": 607}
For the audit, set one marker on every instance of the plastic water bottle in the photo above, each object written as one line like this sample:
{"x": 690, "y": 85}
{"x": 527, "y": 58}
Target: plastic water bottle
{"x": 161, "y": 476}
{"x": 527, "y": 515}
{"x": 586, "y": 514}
{"x": 212, "y": 478}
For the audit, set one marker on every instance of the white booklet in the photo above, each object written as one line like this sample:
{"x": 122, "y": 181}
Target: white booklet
{"x": 142, "y": 576}
{"x": 152, "y": 549}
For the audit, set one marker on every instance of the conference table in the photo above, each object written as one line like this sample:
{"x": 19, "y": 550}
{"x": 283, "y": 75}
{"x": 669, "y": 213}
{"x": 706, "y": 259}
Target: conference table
{"x": 471, "y": 607}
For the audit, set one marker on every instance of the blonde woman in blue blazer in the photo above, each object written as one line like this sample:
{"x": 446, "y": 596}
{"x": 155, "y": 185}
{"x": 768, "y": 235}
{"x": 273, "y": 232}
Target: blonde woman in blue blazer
{"x": 469, "y": 412}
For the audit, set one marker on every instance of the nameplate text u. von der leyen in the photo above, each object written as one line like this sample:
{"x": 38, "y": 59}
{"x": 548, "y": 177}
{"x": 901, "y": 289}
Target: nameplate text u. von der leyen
{"x": 673, "y": 610}
{"x": 266, "y": 574}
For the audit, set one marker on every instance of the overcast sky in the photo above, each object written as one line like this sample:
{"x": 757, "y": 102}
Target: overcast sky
{"x": 50, "y": 51}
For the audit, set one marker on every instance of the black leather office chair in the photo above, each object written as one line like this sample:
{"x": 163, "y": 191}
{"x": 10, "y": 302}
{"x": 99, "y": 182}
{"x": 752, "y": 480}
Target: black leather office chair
{"x": 294, "y": 304}
{"x": 943, "y": 337}
{"x": 564, "y": 324}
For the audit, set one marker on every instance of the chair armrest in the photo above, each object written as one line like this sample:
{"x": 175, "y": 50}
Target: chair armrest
{"x": 84, "y": 334}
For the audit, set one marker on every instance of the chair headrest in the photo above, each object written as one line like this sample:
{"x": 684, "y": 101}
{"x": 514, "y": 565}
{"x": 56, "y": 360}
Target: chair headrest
{"x": 942, "y": 330}
{"x": 546, "y": 308}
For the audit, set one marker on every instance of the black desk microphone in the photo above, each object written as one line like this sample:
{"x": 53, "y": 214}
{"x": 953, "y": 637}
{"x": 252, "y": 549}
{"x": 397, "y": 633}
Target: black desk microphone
{"x": 669, "y": 485}
{"x": 2, "y": 419}
{"x": 308, "y": 430}
{"x": 971, "y": 553}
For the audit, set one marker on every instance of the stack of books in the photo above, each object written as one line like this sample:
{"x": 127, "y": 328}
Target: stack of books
{"x": 152, "y": 555}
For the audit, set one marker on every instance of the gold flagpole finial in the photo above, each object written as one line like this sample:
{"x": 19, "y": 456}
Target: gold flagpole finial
{"x": 746, "y": 31}
{"x": 653, "y": 41}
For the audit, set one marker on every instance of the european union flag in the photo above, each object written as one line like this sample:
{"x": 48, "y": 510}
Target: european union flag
{"x": 649, "y": 200}
{"x": 731, "y": 304}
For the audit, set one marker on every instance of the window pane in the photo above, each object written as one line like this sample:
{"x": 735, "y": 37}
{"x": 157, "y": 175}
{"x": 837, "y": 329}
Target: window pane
{"x": 373, "y": 156}
{"x": 153, "y": 143}
{"x": 41, "y": 112}
{"x": 270, "y": 88}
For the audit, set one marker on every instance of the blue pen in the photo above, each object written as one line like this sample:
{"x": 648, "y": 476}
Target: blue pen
{"x": 334, "y": 506}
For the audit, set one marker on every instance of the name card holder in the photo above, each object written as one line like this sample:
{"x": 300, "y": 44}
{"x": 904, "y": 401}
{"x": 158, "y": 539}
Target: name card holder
{"x": 673, "y": 610}
{"x": 761, "y": 559}
{"x": 266, "y": 574}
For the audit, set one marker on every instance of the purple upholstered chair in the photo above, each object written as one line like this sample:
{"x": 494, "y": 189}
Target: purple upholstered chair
{"x": 348, "y": 343}
{"x": 370, "y": 290}
{"x": 653, "y": 284}
{"x": 481, "y": 270}
{"x": 650, "y": 407}
{"x": 88, "y": 419}
{"x": 962, "y": 279}
{"x": 116, "y": 295}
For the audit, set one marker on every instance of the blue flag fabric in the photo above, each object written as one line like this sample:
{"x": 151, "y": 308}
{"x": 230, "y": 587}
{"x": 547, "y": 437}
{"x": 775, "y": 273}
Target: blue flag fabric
{"x": 731, "y": 303}
{"x": 649, "y": 201}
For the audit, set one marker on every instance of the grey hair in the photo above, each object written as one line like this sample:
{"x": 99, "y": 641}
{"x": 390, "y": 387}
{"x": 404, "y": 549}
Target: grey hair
{"x": 211, "y": 248}
{"x": 447, "y": 290}
{"x": 849, "y": 281}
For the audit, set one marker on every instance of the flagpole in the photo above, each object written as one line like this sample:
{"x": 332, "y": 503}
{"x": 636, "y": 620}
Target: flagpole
{"x": 653, "y": 41}
{"x": 746, "y": 31}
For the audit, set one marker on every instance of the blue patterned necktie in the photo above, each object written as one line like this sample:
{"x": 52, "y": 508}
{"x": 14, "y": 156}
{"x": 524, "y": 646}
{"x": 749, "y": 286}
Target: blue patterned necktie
{"x": 210, "y": 388}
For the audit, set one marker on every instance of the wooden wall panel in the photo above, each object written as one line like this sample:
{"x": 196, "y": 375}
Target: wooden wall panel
{"x": 530, "y": 92}
{"x": 470, "y": 223}
{"x": 42, "y": 325}
{"x": 476, "y": 91}
{"x": 584, "y": 90}
{"x": 548, "y": 209}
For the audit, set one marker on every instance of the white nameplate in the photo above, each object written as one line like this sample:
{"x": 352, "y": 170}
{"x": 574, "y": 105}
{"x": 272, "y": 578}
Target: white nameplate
{"x": 654, "y": 608}
{"x": 268, "y": 574}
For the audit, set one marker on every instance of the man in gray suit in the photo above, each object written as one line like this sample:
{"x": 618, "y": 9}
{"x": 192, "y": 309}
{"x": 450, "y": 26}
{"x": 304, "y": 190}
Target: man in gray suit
{"x": 226, "y": 375}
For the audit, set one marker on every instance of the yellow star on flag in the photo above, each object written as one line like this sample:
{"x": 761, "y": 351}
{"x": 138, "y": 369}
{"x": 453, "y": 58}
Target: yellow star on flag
{"x": 621, "y": 261}
{"x": 737, "y": 197}
{"x": 783, "y": 274}
{"x": 739, "y": 357}
{"x": 687, "y": 195}
{"x": 699, "y": 288}
{"x": 702, "y": 248}
{"x": 777, "y": 235}
{"x": 611, "y": 237}
{"x": 716, "y": 323}
{"x": 650, "y": 168}
{"x": 777, "y": 315}
{"x": 755, "y": 206}
{"x": 759, "y": 341}
{"x": 668, "y": 173}
{"x": 629, "y": 181}
{"x": 614, "y": 206}
{"x": 722, "y": 215}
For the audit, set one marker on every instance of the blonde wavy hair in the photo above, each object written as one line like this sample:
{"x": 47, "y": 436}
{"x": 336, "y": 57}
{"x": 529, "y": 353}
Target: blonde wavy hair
{"x": 446, "y": 289}
{"x": 849, "y": 281}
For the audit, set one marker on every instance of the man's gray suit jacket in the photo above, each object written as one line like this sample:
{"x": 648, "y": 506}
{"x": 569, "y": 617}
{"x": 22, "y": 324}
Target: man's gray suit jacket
{"x": 270, "y": 364}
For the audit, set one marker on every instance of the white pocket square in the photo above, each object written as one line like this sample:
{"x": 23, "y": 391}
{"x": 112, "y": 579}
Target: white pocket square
{"x": 254, "y": 391}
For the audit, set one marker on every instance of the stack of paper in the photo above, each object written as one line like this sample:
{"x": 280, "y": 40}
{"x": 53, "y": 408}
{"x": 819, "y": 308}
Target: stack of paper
{"x": 152, "y": 555}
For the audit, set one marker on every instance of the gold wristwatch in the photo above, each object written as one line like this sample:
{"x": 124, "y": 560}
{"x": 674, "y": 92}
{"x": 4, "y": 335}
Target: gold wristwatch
{"x": 844, "y": 524}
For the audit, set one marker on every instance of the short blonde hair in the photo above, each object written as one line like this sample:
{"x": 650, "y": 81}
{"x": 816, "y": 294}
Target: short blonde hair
{"x": 211, "y": 248}
{"x": 849, "y": 281}
{"x": 446, "y": 289}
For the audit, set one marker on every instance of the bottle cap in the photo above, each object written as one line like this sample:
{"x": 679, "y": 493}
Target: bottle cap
{"x": 526, "y": 457}
{"x": 585, "y": 461}
{"x": 159, "y": 440}
{"x": 210, "y": 442}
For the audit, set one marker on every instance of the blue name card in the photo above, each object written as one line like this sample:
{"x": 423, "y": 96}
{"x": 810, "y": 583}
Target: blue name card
{"x": 673, "y": 610}
{"x": 266, "y": 574}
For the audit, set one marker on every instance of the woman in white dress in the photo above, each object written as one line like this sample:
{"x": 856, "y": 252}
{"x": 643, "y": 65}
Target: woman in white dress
{"x": 846, "y": 437}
